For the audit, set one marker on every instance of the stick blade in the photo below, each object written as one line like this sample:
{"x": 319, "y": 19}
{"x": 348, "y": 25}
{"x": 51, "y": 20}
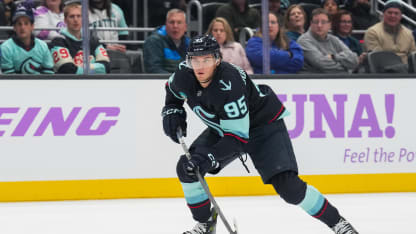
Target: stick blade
{"x": 235, "y": 226}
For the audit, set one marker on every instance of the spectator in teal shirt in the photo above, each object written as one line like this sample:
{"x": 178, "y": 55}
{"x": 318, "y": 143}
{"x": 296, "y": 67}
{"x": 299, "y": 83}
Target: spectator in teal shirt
{"x": 23, "y": 53}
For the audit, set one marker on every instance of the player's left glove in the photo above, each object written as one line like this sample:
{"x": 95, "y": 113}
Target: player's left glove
{"x": 203, "y": 160}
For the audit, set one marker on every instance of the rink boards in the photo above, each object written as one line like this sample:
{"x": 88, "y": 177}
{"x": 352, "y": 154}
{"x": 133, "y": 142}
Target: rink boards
{"x": 98, "y": 139}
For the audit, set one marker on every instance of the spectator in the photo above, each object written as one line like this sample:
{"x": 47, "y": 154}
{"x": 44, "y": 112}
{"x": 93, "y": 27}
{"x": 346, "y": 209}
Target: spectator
{"x": 331, "y": 6}
{"x": 23, "y": 53}
{"x": 50, "y": 14}
{"x": 166, "y": 47}
{"x": 5, "y": 8}
{"x": 8, "y": 6}
{"x": 342, "y": 28}
{"x": 361, "y": 16}
{"x": 239, "y": 15}
{"x": 390, "y": 34}
{"x": 324, "y": 52}
{"x": 231, "y": 51}
{"x": 128, "y": 8}
{"x": 160, "y": 8}
{"x": 275, "y": 7}
{"x": 295, "y": 21}
{"x": 286, "y": 55}
{"x": 67, "y": 49}
{"x": 104, "y": 13}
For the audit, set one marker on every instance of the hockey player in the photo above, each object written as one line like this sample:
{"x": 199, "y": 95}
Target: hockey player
{"x": 241, "y": 117}
{"x": 67, "y": 50}
{"x": 23, "y": 53}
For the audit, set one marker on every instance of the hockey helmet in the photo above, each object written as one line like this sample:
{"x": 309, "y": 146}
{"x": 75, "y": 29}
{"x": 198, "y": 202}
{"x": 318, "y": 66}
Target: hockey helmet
{"x": 20, "y": 11}
{"x": 202, "y": 45}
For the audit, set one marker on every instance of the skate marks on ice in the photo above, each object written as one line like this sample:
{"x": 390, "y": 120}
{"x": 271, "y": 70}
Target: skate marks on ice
{"x": 369, "y": 213}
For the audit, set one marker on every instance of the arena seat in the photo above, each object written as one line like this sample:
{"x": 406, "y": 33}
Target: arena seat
{"x": 256, "y": 6}
{"x": 385, "y": 62}
{"x": 209, "y": 11}
{"x": 136, "y": 60}
{"x": 119, "y": 62}
{"x": 412, "y": 62}
{"x": 308, "y": 8}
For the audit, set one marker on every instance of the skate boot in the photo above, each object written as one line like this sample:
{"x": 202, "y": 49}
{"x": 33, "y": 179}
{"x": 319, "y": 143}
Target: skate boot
{"x": 205, "y": 228}
{"x": 344, "y": 227}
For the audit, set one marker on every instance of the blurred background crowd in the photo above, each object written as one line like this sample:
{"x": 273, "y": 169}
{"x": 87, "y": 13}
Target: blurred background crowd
{"x": 140, "y": 36}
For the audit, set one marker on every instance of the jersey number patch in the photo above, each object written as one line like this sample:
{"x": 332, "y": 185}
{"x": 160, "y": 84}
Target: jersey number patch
{"x": 235, "y": 109}
{"x": 63, "y": 53}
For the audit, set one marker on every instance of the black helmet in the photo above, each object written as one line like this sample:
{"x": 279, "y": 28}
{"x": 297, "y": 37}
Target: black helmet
{"x": 202, "y": 45}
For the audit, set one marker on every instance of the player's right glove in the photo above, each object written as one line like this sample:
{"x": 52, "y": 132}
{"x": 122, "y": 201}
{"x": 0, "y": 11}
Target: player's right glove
{"x": 173, "y": 117}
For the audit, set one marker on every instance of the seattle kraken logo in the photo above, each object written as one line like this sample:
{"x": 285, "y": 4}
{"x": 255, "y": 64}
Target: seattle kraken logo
{"x": 206, "y": 118}
{"x": 226, "y": 87}
{"x": 30, "y": 66}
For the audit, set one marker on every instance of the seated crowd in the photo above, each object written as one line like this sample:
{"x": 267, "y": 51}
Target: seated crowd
{"x": 302, "y": 40}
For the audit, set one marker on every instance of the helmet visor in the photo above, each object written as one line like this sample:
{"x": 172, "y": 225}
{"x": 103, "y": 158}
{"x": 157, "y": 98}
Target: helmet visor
{"x": 197, "y": 62}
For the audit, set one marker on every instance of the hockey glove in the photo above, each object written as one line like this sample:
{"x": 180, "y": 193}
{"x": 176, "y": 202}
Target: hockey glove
{"x": 202, "y": 160}
{"x": 173, "y": 117}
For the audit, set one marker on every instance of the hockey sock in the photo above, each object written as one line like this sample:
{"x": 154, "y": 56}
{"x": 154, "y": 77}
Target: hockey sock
{"x": 198, "y": 201}
{"x": 318, "y": 207}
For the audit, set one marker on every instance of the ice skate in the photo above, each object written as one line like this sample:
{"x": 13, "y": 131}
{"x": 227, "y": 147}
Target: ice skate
{"x": 344, "y": 227}
{"x": 205, "y": 228}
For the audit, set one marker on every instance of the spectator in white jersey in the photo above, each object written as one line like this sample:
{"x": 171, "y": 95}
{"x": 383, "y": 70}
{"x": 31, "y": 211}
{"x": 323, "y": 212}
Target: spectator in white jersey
{"x": 104, "y": 13}
{"x": 49, "y": 14}
{"x": 23, "y": 53}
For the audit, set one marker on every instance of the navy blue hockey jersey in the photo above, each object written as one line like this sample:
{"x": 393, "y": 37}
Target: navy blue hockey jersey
{"x": 230, "y": 105}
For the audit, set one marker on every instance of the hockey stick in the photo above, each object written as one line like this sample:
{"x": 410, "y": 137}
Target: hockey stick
{"x": 205, "y": 185}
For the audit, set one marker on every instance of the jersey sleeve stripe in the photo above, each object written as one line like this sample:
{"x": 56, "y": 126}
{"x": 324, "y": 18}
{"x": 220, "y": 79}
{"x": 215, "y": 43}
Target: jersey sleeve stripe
{"x": 178, "y": 96}
{"x": 278, "y": 114}
{"x": 237, "y": 137}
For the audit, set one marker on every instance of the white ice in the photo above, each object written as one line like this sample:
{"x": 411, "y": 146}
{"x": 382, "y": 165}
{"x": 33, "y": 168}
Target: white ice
{"x": 384, "y": 213}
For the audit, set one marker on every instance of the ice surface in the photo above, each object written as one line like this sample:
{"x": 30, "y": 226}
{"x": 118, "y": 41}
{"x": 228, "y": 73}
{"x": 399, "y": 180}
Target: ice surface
{"x": 384, "y": 213}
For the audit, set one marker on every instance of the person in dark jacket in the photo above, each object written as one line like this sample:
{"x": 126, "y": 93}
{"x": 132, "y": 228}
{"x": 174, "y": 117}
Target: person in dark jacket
{"x": 342, "y": 28}
{"x": 286, "y": 56}
{"x": 361, "y": 17}
{"x": 295, "y": 21}
{"x": 239, "y": 15}
{"x": 166, "y": 47}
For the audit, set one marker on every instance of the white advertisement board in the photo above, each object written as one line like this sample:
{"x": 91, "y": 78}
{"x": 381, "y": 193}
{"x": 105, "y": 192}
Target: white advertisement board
{"x": 112, "y": 129}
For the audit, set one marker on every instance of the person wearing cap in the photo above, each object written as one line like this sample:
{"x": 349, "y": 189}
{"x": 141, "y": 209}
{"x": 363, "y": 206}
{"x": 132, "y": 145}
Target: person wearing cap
{"x": 390, "y": 34}
{"x": 67, "y": 51}
{"x": 23, "y": 53}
